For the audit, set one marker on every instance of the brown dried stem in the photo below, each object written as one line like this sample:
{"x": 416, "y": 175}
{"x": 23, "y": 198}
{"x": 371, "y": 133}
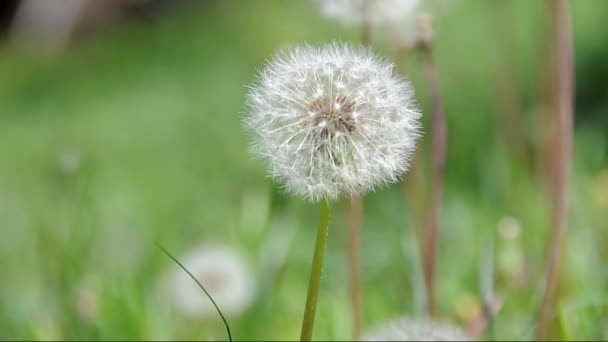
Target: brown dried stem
{"x": 439, "y": 147}
{"x": 562, "y": 106}
{"x": 355, "y": 218}
{"x": 413, "y": 180}
{"x": 366, "y": 33}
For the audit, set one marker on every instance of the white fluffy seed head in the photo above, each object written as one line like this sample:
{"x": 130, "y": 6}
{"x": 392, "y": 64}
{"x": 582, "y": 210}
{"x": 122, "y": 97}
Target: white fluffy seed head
{"x": 408, "y": 329}
{"x": 356, "y": 12}
{"x": 224, "y": 274}
{"x": 332, "y": 121}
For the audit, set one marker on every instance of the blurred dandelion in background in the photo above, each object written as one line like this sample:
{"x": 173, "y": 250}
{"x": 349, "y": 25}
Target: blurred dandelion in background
{"x": 225, "y": 275}
{"x": 509, "y": 228}
{"x": 46, "y": 24}
{"x": 69, "y": 160}
{"x": 88, "y": 304}
{"x": 511, "y": 261}
{"x": 373, "y": 12}
{"x": 416, "y": 329}
{"x": 119, "y": 126}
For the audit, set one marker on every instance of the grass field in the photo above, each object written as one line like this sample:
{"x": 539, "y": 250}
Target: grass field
{"x": 134, "y": 136}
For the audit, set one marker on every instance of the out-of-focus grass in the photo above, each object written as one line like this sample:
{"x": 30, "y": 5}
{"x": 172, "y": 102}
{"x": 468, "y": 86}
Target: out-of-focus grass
{"x": 135, "y": 136}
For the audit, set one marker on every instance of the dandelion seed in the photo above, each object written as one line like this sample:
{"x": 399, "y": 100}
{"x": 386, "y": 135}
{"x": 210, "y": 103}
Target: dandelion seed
{"x": 224, "y": 274}
{"x": 332, "y": 121}
{"x": 357, "y": 12}
{"x": 407, "y": 329}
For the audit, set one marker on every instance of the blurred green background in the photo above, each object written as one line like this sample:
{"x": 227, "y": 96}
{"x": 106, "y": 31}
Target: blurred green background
{"x": 132, "y": 134}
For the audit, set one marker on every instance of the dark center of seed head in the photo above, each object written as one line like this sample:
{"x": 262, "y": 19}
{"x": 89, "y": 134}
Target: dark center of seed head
{"x": 332, "y": 115}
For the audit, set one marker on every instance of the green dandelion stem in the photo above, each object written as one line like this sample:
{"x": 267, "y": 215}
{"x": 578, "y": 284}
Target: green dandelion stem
{"x": 315, "y": 275}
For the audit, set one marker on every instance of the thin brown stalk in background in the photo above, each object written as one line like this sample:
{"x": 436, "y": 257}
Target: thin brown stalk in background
{"x": 477, "y": 326}
{"x": 413, "y": 180}
{"x": 413, "y": 187}
{"x": 562, "y": 105}
{"x": 439, "y": 148}
{"x": 366, "y": 33}
{"x": 355, "y": 219}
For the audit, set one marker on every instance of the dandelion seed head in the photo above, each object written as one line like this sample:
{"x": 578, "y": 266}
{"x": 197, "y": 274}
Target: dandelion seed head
{"x": 332, "y": 121}
{"x": 408, "y": 329}
{"x": 356, "y": 12}
{"x": 224, "y": 274}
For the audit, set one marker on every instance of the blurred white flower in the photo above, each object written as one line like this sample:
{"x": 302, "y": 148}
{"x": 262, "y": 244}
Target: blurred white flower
{"x": 69, "y": 160}
{"x": 356, "y": 12}
{"x": 46, "y": 25}
{"x": 87, "y": 304}
{"x": 223, "y": 273}
{"x": 47, "y": 328}
{"x": 509, "y": 228}
{"x": 332, "y": 121}
{"x": 416, "y": 329}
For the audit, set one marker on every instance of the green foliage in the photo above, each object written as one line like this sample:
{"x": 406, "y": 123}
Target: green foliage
{"x": 134, "y": 135}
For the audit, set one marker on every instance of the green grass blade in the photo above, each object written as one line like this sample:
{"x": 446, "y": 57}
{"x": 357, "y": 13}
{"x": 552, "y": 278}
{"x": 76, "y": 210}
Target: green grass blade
{"x": 199, "y": 285}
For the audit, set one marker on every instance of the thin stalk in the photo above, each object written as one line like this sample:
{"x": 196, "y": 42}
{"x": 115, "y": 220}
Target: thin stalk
{"x": 354, "y": 258}
{"x": 355, "y": 218}
{"x": 413, "y": 180}
{"x": 487, "y": 287}
{"x": 200, "y": 286}
{"x": 439, "y": 146}
{"x": 366, "y": 26}
{"x": 366, "y": 33}
{"x": 562, "y": 100}
{"x": 413, "y": 187}
{"x": 563, "y": 323}
{"x": 415, "y": 196}
{"x": 315, "y": 274}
